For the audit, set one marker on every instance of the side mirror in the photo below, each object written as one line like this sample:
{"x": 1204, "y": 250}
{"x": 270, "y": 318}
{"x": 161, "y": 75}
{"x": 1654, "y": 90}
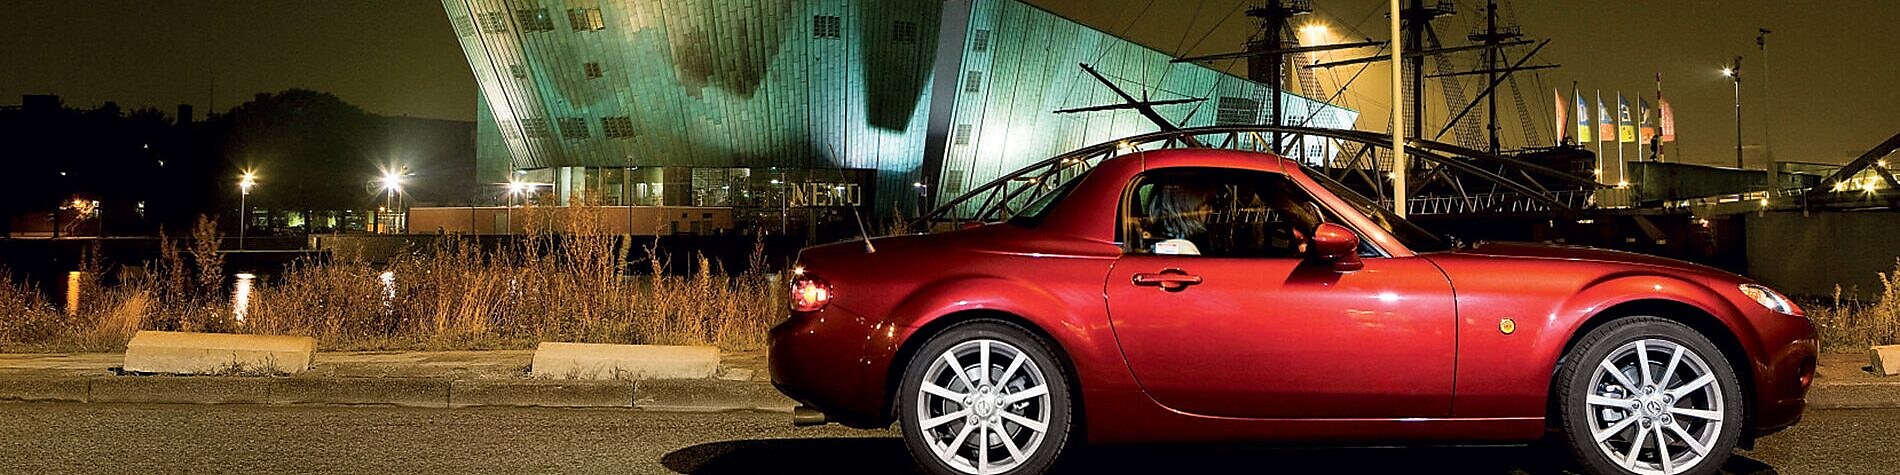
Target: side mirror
{"x": 1338, "y": 245}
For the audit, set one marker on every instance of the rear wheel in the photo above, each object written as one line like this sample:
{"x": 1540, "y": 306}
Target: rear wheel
{"x": 1645, "y": 395}
{"x": 984, "y": 397}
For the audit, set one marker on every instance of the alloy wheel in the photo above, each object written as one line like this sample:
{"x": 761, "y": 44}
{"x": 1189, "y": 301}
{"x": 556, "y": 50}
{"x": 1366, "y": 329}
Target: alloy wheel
{"x": 1655, "y": 407}
{"x": 984, "y": 406}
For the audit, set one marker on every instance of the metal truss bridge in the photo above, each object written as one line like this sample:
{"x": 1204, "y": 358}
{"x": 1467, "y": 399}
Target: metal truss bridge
{"x": 1447, "y": 179}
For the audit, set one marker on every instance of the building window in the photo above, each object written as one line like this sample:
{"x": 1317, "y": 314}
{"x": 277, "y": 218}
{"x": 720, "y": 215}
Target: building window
{"x": 573, "y": 128}
{"x": 463, "y": 25}
{"x": 980, "y": 40}
{"x": 535, "y": 19}
{"x": 826, "y": 26}
{"x": 508, "y": 131}
{"x": 619, "y": 127}
{"x": 953, "y": 182}
{"x": 517, "y": 71}
{"x": 593, "y": 70}
{"x": 493, "y": 22}
{"x": 973, "y": 81}
{"x": 963, "y": 134}
{"x": 585, "y": 19}
{"x": 1236, "y": 111}
{"x": 904, "y": 31}
{"x": 535, "y": 128}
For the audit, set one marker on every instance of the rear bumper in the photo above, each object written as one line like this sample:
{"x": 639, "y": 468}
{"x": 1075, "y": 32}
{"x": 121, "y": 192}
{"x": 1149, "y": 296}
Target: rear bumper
{"x": 817, "y": 359}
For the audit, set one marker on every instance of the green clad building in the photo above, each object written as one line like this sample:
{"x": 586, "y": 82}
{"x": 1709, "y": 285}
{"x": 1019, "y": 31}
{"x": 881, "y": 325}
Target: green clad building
{"x": 777, "y": 106}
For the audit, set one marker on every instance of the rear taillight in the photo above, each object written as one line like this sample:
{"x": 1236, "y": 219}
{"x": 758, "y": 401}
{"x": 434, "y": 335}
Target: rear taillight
{"x": 809, "y": 293}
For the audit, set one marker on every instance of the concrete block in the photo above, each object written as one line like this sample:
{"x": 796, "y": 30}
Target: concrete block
{"x": 53, "y": 389}
{"x": 405, "y": 392}
{"x": 709, "y": 396}
{"x": 1886, "y": 360}
{"x": 624, "y": 362}
{"x": 169, "y": 390}
{"x": 540, "y": 393}
{"x": 217, "y": 353}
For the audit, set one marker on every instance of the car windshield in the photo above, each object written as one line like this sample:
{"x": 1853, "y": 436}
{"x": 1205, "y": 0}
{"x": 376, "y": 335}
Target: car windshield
{"x": 1411, "y": 235}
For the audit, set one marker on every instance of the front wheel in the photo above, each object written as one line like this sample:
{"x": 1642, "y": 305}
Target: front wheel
{"x": 984, "y": 397}
{"x": 1650, "y": 396}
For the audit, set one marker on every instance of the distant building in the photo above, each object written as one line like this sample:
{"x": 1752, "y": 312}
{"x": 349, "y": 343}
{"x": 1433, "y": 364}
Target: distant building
{"x": 770, "y": 105}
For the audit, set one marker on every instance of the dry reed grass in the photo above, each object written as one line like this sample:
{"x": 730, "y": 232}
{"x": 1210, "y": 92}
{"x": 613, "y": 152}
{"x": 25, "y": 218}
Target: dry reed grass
{"x": 565, "y": 280}
{"x": 1852, "y": 324}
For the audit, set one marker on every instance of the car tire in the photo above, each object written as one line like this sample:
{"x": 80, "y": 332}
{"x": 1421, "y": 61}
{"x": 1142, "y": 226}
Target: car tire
{"x": 966, "y": 421}
{"x": 1684, "y": 417}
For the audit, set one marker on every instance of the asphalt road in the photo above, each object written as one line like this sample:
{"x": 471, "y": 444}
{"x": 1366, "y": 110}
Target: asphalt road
{"x": 122, "y": 439}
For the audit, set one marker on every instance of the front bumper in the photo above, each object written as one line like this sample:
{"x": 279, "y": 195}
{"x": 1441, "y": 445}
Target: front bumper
{"x": 1783, "y": 382}
{"x": 1784, "y": 368}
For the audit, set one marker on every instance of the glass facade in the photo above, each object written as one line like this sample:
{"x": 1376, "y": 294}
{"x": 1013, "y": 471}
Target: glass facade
{"x": 701, "y": 102}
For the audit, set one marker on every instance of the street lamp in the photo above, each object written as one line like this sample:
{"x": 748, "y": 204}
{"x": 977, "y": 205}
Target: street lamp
{"x": 515, "y": 189}
{"x": 392, "y": 186}
{"x": 1734, "y": 73}
{"x": 245, "y": 182}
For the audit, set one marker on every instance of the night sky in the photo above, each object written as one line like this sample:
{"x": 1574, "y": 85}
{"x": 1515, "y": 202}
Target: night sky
{"x": 1832, "y": 69}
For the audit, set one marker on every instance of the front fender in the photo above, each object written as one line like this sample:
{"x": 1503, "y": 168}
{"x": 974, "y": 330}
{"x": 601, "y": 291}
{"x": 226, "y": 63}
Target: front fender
{"x": 1576, "y": 312}
{"x": 1509, "y": 374}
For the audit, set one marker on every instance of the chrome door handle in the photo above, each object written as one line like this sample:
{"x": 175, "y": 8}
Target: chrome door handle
{"x": 1171, "y": 279}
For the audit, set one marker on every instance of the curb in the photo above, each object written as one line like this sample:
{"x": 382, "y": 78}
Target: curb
{"x": 652, "y": 395}
{"x": 689, "y": 395}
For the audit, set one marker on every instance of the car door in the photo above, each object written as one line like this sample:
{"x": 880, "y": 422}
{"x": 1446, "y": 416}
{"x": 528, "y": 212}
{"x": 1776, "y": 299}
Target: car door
{"x": 1219, "y": 313}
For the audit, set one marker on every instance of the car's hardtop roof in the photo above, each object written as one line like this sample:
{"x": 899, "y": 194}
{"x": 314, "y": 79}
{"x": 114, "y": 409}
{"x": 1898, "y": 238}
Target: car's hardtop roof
{"x": 1207, "y": 157}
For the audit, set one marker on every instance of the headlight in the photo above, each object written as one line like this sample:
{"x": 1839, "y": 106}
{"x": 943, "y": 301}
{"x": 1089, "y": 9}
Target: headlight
{"x": 1769, "y": 298}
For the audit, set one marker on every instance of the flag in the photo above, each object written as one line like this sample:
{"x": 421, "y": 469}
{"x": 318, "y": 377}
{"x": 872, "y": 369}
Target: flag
{"x": 1644, "y": 132}
{"x": 1625, "y": 128}
{"x": 1668, "y": 120}
{"x": 1562, "y": 121}
{"x": 1606, "y": 125}
{"x": 1583, "y": 117}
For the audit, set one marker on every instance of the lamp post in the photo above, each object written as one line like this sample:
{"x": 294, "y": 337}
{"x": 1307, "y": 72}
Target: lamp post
{"x": 1734, "y": 73}
{"x": 245, "y": 182}
{"x": 1767, "y": 115}
{"x": 781, "y": 204}
{"x": 1398, "y": 115}
{"x": 923, "y": 198}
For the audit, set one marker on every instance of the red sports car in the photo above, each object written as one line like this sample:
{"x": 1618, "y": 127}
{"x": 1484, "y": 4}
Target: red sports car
{"x": 1206, "y": 295}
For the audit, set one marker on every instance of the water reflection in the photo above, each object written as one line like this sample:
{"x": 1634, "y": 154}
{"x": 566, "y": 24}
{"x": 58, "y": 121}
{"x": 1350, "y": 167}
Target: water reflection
{"x": 389, "y": 290}
{"x": 73, "y": 279}
{"x": 241, "y": 296}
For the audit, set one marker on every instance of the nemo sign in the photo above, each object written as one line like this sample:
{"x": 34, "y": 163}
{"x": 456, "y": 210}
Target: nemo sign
{"x": 825, "y": 194}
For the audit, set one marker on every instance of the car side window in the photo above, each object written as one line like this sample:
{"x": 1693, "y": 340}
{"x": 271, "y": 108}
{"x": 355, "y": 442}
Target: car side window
{"x": 1217, "y": 213}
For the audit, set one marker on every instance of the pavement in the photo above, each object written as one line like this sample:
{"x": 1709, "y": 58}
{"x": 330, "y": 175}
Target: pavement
{"x": 405, "y": 379}
{"x": 116, "y": 439}
{"x": 500, "y": 378}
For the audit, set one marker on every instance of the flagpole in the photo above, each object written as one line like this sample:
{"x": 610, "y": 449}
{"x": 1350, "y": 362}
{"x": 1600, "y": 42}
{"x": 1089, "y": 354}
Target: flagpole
{"x": 1622, "y": 168}
{"x": 1655, "y": 145}
{"x": 1661, "y": 115}
{"x": 1602, "y": 161}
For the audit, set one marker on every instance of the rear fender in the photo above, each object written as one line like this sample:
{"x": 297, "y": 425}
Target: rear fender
{"x": 1076, "y": 324}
